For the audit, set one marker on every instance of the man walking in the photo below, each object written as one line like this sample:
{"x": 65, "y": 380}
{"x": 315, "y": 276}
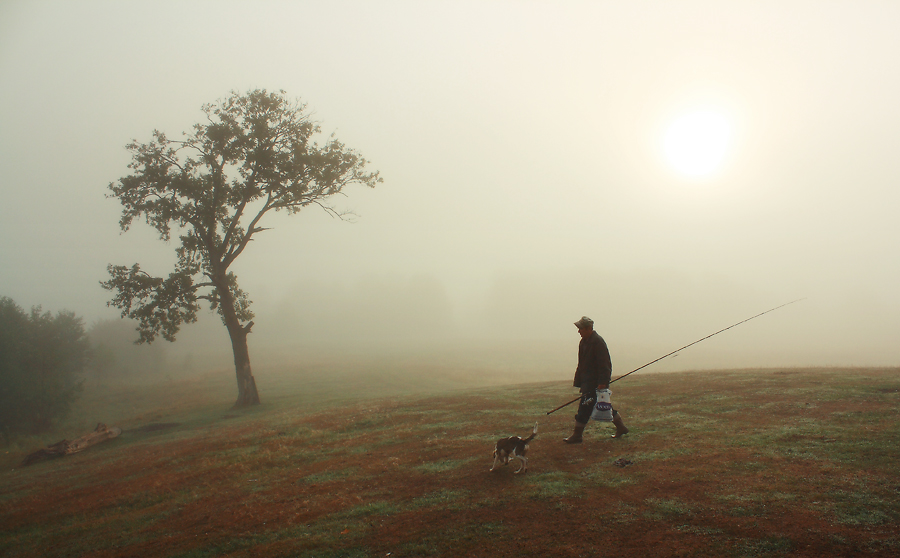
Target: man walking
{"x": 593, "y": 372}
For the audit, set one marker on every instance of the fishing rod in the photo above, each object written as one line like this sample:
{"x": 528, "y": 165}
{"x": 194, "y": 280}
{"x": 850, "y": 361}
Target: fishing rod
{"x": 681, "y": 349}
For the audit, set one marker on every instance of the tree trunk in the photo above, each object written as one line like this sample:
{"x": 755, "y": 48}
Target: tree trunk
{"x": 247, "y": 394}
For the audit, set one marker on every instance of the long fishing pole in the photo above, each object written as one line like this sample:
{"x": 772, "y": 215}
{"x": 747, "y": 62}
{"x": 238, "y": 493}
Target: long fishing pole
{"x": 681, "y": 349}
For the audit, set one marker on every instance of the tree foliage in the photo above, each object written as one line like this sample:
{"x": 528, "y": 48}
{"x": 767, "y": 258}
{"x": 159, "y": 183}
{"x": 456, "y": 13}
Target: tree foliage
{"x": 254, "y": 154}
{"x": 41, "y": 358}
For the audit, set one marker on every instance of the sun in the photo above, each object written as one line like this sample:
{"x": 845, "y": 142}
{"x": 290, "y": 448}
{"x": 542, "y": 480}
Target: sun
{"x": 697, "y": 142}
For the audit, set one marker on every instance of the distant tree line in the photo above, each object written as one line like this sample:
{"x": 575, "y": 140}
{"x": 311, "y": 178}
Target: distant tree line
{"x": 41, "y": 359}
{"x": 115, "y": 356}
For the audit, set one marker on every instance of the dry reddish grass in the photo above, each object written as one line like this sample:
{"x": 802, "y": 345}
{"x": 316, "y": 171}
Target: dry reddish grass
{"x": 741, "y": 463}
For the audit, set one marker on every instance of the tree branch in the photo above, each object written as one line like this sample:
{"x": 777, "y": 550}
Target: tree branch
{"x": 235, "y": 251}
{"x": 235, "y": 219}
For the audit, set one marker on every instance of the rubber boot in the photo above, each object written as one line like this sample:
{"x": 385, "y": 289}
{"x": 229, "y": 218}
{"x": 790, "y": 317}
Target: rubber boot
{"x": 575, "y": 438}
{"x": 620, "y": 426}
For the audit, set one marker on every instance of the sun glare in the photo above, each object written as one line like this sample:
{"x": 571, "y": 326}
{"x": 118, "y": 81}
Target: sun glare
{"x": 696, "y": 143}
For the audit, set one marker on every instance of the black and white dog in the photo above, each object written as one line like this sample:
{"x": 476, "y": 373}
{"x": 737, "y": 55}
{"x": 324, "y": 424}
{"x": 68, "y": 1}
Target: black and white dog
{"x": 514, "y": 446}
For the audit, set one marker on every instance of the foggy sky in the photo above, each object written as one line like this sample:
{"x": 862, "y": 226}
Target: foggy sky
{"x": 523, "y": 181}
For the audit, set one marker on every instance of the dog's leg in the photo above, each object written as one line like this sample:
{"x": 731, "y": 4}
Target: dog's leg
{"x": 524, "y": 461}
{"x": 494, "y": 466}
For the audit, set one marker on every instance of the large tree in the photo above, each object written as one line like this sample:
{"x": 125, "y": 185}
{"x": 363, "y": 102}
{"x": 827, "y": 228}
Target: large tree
{"x": 254, "y": 154}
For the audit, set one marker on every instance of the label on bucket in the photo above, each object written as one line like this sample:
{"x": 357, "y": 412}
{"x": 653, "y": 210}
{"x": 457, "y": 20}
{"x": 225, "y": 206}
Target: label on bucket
{"x": 603, "y": 408}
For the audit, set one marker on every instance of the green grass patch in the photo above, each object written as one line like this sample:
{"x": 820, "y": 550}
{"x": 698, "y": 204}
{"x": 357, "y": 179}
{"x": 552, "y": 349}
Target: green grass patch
{"x": 769, "y": 547}
{"x": 862, "y": 507}
{"x": 554, "y": 484}
{"x": 330, "y": 475}
{"x": 380, "y": 508}
{"x": 454, "y": 540}
{"x": 444, "y": 499}
{"x": 444, "y": 465}
{"x": 607, "y": 474}
{"x": 667, "y": 508}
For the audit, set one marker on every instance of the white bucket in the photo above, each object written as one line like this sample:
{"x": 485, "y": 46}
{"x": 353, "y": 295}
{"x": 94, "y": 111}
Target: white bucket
{"x": 603, "y": 408}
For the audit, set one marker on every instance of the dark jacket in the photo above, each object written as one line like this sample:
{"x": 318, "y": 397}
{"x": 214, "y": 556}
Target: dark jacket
{"x": 594, "y": 364}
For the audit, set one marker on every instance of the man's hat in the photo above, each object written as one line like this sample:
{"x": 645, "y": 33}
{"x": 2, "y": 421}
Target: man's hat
{"x": 584, "y": 322}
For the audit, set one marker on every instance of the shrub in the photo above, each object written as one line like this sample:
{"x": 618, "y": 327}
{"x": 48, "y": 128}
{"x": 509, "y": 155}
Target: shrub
{"x": 41, "y": 357}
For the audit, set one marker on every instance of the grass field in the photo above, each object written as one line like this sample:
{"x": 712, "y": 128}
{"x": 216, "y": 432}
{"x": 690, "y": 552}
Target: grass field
{"x": 789, "y": 462}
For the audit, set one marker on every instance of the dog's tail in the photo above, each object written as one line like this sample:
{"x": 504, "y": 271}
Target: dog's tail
{"x": 533, "y": 434}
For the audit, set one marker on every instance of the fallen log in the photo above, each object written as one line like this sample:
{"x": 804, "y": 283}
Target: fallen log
{"x": 65, "y": 447}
